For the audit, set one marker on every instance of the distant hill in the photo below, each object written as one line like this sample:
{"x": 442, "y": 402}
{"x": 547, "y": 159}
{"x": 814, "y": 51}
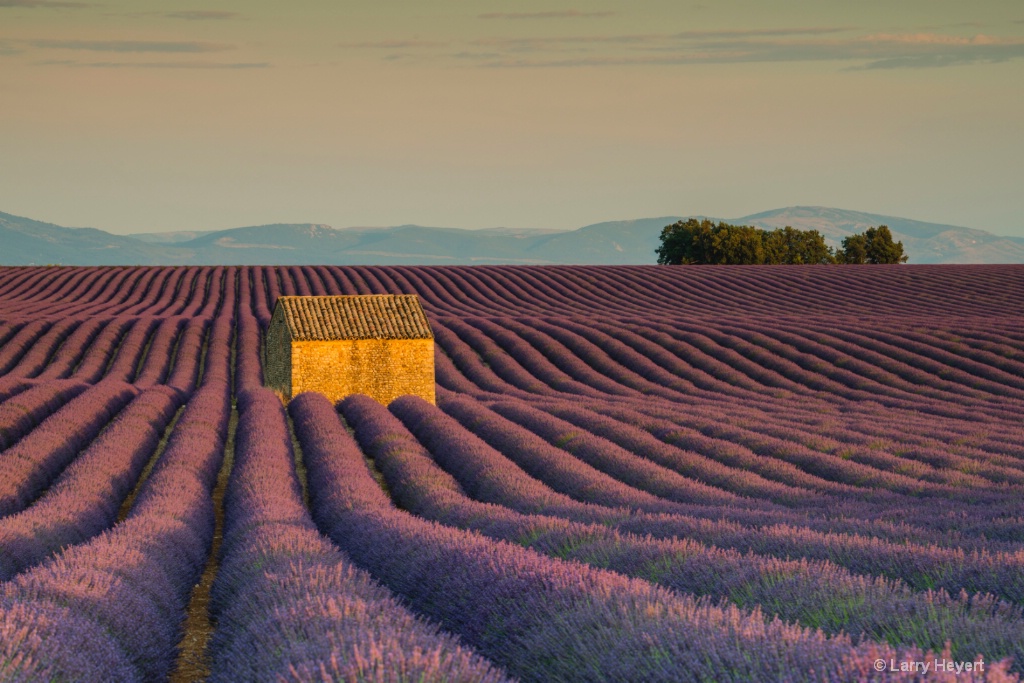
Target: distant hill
{"x": 24, "y": 241}
{"x": 924, "y": 242}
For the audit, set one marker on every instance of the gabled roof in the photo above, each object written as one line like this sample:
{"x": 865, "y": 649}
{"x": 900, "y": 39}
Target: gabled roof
{"x": 363, "y": 316}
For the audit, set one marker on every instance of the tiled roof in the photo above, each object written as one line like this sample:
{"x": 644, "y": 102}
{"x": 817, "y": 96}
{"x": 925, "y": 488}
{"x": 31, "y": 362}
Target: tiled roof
{"x": 364, "y": 316}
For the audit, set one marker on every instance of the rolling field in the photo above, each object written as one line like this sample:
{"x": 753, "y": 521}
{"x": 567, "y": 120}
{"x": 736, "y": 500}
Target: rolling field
{"x": 632, "y": 474}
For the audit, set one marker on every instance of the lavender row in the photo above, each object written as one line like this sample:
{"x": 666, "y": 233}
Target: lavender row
{"x": 582, "y": 290}
{"x": 568, "y": 476}
{"x": 529, "y": 612}
{"x": 289, "y": 605}
{"x": 161, "y": 349}
{"x": 908, "y": 348}
{"x": 134, "y": 344}
{"x": 86, "y": 497}
{"x": 772, "y": 480}
{"x": 825, "y": 466}
{"x": 72, "y": 347}
{"x": 468, "y": 363}
{"x": 669, "y": 444}
{"x": 837, "y": 514}
{"x": 248, "y": 345}
{"x": 775, "y": 357}
{"x": 111, "y": 609}
{"x": 746, "y": 449}
{"x": 821, "y": 343}
{"x": 489, "y": 476}
{"x": 38, "y": 352}
{"x": 572, "y": 377}
{"x": 18, "y": 415}
{"x": 862, "y": 468}
{"x": 12, "y": 386}
{"x": 934, "y": 464}
{"x": 613, "y": 460}
{"x": 811, "y": 372}
{"x": 817, "y": 594}
{"x": 857, "y": 438}
{"x": 994, "y": 435}
{"x": 216, "y": 362}
{"x": 18, "y": 344}
{"x": 188, "y": 354}
{"x": 32, "y": 463}
{"x": 638, "y": 362}
{"x": 96, "y": 359}
{"x": 721, "y": 355}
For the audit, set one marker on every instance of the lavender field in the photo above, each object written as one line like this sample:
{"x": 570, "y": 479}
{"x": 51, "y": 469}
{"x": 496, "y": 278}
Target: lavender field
{"x": 632, "y": 474}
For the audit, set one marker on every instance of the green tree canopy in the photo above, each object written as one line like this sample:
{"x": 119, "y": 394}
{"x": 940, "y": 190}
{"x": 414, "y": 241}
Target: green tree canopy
{"x": 696, "y": 241}
{"x": 701, "y": 241}
{"x": 789, "y": 245}
{"x": 689, "y": 241}
{"x": 874, "y": 245}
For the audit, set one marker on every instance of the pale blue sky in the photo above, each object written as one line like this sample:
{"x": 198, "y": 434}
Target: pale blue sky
{"x": 159, "y": 115}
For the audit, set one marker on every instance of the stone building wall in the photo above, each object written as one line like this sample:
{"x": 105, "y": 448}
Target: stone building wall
{"x": 384, "y": 369}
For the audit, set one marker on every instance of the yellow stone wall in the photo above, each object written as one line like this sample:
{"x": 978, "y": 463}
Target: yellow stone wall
{"x": 384, "y": 369}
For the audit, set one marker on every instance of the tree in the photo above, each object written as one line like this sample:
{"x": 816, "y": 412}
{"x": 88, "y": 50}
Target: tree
{"x": 696, "y": 241}
{"x": 737, "y": 244}
{"x": 874, "y": 245}
{"x": 855, "y": 249}
{"x": 689, "y": 241}
{"x": 789, "y": 245}
{"x": 881, "y": 248}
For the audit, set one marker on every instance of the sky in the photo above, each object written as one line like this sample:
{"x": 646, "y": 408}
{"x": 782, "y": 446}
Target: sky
{"x": 151, "y": 115}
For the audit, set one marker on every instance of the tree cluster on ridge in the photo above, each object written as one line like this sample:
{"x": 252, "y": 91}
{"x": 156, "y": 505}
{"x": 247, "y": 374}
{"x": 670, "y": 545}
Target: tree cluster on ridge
{"x": 695, "y": 241}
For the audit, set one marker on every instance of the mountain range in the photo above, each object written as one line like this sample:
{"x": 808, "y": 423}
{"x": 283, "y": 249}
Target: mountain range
{"x": 24, "y": 241}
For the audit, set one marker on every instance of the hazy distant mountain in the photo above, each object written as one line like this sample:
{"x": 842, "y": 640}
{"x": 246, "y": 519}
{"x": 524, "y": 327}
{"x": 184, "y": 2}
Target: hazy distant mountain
{"x": 924, "y": 242}
{"x": 169, "y": 237}
{"x": 24, "y": 241}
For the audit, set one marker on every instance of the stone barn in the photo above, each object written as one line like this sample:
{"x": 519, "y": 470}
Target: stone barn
{"x": 377, "y": 344}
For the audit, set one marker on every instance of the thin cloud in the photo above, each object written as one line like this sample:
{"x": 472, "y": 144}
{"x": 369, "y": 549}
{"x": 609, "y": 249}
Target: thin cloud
{"x": 562, "y": 14}
{"x": 475, "y": 55}
{"x": 662, "y": 40}
{"x": 874, "y": 51}
{"x": 975, "y": 54}
{"x": 393, "y": 44}
{"x": 131, "y": 46}
{"x": 157, "y": 65}
{"x": 52, "y": 4}
{"x": 850, "y": 44}
{"x": 762, "y": 32}
{"x": 558, "y": 43}
{"x": 203, "y": 15}
{"x": 960, "y": 24}
{"x": 930, "y": 39}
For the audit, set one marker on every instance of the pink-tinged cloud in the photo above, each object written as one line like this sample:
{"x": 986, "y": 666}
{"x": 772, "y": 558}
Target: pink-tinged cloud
{"x": 762, "y": 32}
{"x": 560, "y": 14}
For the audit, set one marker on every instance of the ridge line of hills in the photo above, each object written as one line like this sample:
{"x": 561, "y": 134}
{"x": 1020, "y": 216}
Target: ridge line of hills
{"x": 28, "y": 242}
